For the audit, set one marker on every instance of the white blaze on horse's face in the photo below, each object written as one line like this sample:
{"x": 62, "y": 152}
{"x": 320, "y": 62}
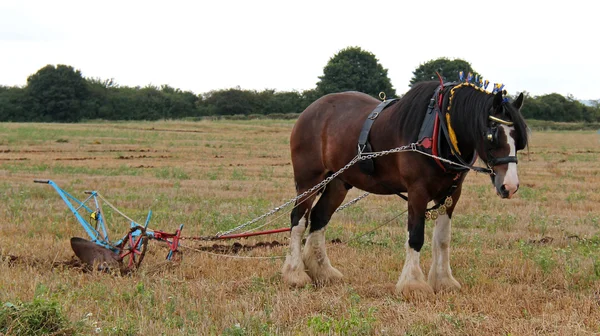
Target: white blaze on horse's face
{"x": 506, "y": 180}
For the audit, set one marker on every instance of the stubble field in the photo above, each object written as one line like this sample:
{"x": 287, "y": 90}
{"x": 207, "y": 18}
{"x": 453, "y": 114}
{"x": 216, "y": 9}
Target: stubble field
{"x": 529, "y": 265}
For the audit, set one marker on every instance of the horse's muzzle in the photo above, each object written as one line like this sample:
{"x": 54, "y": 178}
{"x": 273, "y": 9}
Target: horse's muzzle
{"x": 507, "y": 191}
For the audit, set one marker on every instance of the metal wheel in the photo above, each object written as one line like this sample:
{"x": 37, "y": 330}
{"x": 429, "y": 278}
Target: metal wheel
{"x": 133, "y": 249}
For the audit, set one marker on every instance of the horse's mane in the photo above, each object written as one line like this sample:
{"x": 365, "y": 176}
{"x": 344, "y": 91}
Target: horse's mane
{"x": 469, "y": 112}
{"x": 411, "y": 109}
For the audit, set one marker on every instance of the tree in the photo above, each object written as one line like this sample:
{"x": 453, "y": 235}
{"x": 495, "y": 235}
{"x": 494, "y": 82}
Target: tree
{"x": 447, "y": 68}
{"x": 98, "y": 105}
{"x": 282, "y": 102}
{"x": 355, "y": 69}
{"x": 57, "y": 93}
{"x": 231, "y": 102}
{"x": 14, "y": 104}
{"x": 556, "y": 107}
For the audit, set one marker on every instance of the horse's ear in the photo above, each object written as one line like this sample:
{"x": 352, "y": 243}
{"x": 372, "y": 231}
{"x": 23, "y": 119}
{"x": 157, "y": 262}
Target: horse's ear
{"x": 497, "y": 100}
{"x": 519, "y": 102}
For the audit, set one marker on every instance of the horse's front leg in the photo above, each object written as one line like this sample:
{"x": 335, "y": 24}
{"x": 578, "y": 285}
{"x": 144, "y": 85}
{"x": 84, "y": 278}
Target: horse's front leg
{"x": 412, "y": 280}
{"x": 440, "y": 275}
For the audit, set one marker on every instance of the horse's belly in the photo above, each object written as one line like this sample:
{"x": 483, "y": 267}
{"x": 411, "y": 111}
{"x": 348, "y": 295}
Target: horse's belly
{"x": 372, "y": 185}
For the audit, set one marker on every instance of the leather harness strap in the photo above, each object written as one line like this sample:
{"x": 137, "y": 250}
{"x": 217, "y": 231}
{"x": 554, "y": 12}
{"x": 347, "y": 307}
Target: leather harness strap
{"x": 363, "y": 139}
{"x": 430, "y": 138}
{"x": 368, "y": 166}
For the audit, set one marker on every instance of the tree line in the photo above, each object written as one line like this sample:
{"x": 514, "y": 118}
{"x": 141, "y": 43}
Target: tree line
{"x": 62, "y": 94}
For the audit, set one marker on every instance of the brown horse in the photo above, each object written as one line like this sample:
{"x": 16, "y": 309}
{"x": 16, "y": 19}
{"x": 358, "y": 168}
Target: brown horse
{"x": 324, "y": 139}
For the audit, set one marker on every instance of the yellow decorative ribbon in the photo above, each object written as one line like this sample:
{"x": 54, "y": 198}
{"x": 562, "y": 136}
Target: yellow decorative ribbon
{"x": 452, "y": 134}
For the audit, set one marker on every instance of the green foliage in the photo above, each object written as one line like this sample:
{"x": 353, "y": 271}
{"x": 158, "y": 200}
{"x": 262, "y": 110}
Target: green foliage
{"x": 447, "y": 68}
{"x": 39, "y": 317}
{"x": 357, "y": 321}
{"x": 57, "y": 93}
{"x": 238, "y": 102}
{"x": 14, "y": 104}
{"x": 544, "y": 258}
{"x": 232, "y": 101}
{"x": 556, "y": 107}
{"x": 354, "y": 69}
{"x": 61, "y": 94}
{"x": 545, "y": 125}
{"x": 235, "y": 330}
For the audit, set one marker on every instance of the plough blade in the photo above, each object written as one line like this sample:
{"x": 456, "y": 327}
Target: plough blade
{"x": 95, "y": 255}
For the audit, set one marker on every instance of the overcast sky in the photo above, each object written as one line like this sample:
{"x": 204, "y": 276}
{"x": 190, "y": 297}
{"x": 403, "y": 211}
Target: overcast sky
{"x": 535, "y": 46}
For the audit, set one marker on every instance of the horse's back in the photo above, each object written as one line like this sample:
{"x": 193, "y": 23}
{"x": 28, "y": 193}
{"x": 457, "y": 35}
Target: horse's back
{"x": 327, "y": 131}
{"x": 349, "y": 107}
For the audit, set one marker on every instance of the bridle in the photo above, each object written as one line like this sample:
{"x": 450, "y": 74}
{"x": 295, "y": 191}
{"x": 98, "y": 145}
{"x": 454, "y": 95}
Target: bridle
{"x": 491, "y": 136}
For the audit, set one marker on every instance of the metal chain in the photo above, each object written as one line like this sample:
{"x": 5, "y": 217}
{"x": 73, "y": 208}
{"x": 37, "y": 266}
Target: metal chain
{"x": 360, "y": 157}
{"x": 352, "y": 202}
{"x": 445, "y": 160}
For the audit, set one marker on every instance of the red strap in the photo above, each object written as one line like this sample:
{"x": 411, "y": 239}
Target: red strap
{"x": 441, "y": 92}
{"x": 434, "y": 148}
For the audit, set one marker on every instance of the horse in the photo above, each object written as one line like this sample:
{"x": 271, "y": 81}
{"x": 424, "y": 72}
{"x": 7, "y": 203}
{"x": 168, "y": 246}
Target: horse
{"x": 324, "y": 139}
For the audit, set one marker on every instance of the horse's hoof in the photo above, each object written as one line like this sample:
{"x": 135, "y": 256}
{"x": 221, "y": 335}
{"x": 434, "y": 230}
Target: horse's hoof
{"x": 444, "y": 284}
{"x": 295, "y": 277}
{"x": 415, "y": 290}
{"x": 326, "y": 276}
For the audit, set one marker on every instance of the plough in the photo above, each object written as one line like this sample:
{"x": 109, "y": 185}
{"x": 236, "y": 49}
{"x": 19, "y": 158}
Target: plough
{"x": 126, "y": 253}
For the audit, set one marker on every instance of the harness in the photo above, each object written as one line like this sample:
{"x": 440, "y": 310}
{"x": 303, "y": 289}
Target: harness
{"x": 436, "y": 123}
{"x": 437, "y": 138}
{"x": 368, "y": 166}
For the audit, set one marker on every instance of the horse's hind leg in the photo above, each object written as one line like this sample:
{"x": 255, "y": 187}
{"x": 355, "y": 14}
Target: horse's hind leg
{"x": 293, "y": 270}
{"x": 315, "y": 256}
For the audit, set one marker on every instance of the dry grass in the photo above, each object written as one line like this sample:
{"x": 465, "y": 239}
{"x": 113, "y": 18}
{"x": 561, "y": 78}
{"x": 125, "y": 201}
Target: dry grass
{"x": 530, "y": 265}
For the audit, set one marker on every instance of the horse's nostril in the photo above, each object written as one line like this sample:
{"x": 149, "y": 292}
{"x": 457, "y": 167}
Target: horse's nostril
{"x": 504, "y": 192}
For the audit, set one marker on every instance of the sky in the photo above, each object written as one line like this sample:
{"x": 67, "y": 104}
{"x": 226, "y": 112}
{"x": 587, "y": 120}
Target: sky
{"x": 536, "y": 46}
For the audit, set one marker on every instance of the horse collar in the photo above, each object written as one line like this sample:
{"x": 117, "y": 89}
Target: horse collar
{"x": 437, "y": 136}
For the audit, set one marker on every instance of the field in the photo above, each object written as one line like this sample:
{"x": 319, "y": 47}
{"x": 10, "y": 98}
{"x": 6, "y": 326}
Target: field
{"x": 529, "y": 265}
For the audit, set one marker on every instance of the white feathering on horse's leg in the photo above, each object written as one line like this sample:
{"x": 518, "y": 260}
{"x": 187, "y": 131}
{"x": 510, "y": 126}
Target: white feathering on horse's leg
{"x": 440, "y": 274}
{"x": 293, "y": 271}
{"x": 412, "y": 280}
{"x": 316, "y": 260}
